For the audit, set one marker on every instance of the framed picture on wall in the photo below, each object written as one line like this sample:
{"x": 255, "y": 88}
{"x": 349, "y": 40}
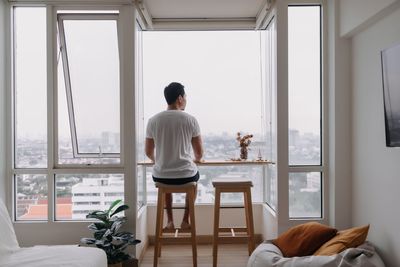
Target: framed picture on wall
{"x": 390, "y": 58}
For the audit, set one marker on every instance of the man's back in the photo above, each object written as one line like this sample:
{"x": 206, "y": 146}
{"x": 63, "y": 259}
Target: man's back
{"x": 172, "y": 131}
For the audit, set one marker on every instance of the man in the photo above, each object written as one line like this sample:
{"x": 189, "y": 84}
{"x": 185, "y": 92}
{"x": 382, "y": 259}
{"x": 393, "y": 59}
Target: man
{"x": 172, "y": 133}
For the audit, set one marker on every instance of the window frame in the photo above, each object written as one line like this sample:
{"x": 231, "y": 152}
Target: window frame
{"x": 53, "y": 168}
{"x": 70, "y": 105}
{"x": 322, "y": 167}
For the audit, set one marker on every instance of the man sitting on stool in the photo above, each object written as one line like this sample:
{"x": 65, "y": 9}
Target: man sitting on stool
{"x": 172, "y": 133}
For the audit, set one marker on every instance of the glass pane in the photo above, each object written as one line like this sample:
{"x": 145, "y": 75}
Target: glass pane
{"x": 304, "y": 85}
{"x": 31, "y": 197}
{"x": 65, "y": 150}
{"x": 92, "y": 50}
{"x": 140, "y": 155}
{"x": 30, "y": 87}
{"x": 205, "y": 189}
{"x": 78, "y": 194}
{"x": 97, "y": 120}
{"x": 268, "y": 38}
{"x": 229, "y": 66}
{"x": 305, "y": 196}
{"x": 141, "y": 196}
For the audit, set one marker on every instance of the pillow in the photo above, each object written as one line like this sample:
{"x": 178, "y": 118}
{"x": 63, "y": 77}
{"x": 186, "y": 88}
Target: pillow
{"x": 8, "y": 240}
{"x": 345, "y": 239}
{"x": 304, "y": 239}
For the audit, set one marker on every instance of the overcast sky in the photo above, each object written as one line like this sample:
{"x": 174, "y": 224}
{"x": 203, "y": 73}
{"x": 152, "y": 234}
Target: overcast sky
{"x": 220, "y": 70}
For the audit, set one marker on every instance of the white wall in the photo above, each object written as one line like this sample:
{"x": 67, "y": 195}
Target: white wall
{"x": 141, "y": 232}
{"x": 2, "y": 100}
{"x": 358, "y": 14}
{"x": 205, "y": 218}
{"x": 376, "y": 168}
{"x": 339, "y": 122}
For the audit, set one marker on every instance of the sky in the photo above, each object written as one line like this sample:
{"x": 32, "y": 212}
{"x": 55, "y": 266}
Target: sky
{"x": 220, "y": 70}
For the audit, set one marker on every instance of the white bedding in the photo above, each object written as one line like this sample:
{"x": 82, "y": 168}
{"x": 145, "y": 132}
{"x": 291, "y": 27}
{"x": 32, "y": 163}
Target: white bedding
{"x": 55, "y": 256}
{"x": 11, "y": 255}
{"x": 268, "y": 255}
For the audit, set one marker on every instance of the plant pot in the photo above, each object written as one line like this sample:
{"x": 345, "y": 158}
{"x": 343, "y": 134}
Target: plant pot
{"x": 131, "y": 263}
{"x": 115, "y": 265}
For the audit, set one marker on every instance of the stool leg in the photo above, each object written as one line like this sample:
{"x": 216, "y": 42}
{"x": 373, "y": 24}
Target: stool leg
{"x": 158, "y": 228}
{"x": 249, "y": 220}
{"x": 193, "y": 226}
{"x": 161, "y": 222}
{"x": 216, "y": 225}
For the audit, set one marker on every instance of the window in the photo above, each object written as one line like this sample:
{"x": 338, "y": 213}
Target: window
{"x": 305, "y": 111}
{"x": 89, "y": 89}
{"x": 88, "y": 122}
{"x": 31, "y": 197}
{"x": 77, "y": 193}
{"x": 140, "y": 155}
{"x": 30, "y": 113}
{"x": 269, "y": 87}
{"x": 30, "y": 83}
{"x": 214, "y": 67}
{"x": 304, "y": 85}
{"x": 305, "y": 194}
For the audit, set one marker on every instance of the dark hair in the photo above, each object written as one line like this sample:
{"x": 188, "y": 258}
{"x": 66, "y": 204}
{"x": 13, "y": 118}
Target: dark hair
{"x": 173, "y": 91}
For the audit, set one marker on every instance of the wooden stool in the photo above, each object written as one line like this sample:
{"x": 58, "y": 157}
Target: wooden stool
{"x": 233, "y": 186}
{"x": 190, "y": 189}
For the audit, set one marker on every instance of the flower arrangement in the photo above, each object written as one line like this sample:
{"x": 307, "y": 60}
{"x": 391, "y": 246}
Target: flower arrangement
{"x": 244, "y": 142}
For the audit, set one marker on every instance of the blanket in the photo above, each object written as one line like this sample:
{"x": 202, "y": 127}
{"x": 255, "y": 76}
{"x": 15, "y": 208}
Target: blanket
{"x": 268, "y": 255}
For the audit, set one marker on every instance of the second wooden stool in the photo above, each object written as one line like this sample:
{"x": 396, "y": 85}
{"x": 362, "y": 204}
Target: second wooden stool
{"x": 233, "y": 186}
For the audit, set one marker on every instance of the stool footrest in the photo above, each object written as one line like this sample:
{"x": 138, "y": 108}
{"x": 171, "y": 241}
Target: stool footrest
{"x": 173, "y": 237}
{"x": 245, "y": 237}
{"x": 231, "y": 207}
{"x": 229, "y": 229}
{"x": 172, "y": 231}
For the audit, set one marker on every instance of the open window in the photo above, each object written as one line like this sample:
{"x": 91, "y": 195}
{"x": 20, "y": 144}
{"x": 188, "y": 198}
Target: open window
{"x": 89, "y": 120}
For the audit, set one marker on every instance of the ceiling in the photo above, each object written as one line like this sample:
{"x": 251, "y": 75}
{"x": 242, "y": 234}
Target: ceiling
{"x": 162, "y": 14}
{"x": 204, "y": 8}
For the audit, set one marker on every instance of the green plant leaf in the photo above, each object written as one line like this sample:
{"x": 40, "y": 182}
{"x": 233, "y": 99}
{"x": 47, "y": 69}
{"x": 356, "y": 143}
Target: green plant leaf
{"x": 88, "y": 241}
{"x": 119, "y": 209}
{"x": 99, "y": 234}
{"x": 100, "y": 216}
{"x": 115, "y": 203}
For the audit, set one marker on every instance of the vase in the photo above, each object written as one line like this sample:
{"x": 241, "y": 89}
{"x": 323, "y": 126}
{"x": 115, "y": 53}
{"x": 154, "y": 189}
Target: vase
{"x": 243, "y": 152}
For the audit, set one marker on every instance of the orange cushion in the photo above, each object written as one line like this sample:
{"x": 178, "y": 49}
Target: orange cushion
{"x": 303, "y": 239}
{"x": 345, "y": 239}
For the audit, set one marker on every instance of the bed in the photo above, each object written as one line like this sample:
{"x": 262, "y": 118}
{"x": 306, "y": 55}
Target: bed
{"x": 269, "y": 255}
{"x": 12, "y": 255}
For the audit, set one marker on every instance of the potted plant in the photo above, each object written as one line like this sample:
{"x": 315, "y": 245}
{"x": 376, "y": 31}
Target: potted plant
{"x": 107, "y": 235}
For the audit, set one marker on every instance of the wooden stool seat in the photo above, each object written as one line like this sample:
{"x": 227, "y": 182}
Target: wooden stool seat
{"x": 165, "y": 235}
{"x": 233, "y": 186}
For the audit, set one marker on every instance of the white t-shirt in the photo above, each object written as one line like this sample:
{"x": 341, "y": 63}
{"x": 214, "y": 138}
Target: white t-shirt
{"x": 172, "y": 131}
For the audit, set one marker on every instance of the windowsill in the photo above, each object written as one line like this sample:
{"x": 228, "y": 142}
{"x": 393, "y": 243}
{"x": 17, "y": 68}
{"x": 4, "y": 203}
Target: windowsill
{"x": 219, "y": 162}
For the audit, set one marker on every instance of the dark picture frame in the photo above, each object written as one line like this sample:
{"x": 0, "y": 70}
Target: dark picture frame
{"x": 390, "y": 59}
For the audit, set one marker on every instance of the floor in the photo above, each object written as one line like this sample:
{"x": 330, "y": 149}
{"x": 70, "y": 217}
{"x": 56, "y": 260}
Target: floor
{"x": 229, "y": 255}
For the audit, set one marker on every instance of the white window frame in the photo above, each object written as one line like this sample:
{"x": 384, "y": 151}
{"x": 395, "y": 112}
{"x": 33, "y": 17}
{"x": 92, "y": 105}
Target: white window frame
{"x": 67, "y": 78}
{"x": 71, "y": 115}
{"x": 284, "y": 220}
{"x": 126, "y": 44}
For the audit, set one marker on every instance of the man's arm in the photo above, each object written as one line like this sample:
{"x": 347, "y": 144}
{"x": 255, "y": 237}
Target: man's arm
{"x": 197, "y": 145}
{"x": 149, "y": 148}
